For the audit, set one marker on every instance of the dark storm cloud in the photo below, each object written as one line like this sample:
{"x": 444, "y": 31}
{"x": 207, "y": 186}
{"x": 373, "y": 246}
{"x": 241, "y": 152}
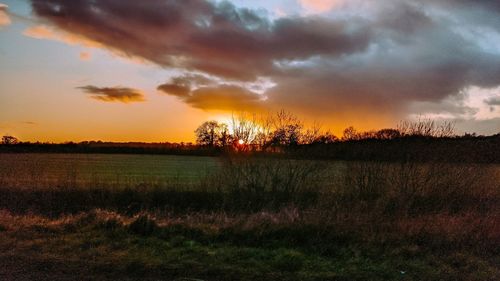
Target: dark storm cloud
{"x": 403, "y": 52}
{"x": 413, "y": 57}
{"x": 113, "y": 94}
{"x": 219, "y": 39}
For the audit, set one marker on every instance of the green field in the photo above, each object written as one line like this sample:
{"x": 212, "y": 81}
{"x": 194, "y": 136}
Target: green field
{"x": 51, "y": 170}
{"x": 46, "y": 169}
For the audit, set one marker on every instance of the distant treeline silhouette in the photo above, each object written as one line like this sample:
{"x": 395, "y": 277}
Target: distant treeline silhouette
{"x": 410, "y": 149}
{"x": 110, "y": 147}
{"x": 284, "y": 135}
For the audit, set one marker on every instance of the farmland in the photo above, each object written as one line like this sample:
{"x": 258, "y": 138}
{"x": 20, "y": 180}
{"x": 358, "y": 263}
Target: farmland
{"x": 246, "y": 218}
{"x": 45, "y": 170}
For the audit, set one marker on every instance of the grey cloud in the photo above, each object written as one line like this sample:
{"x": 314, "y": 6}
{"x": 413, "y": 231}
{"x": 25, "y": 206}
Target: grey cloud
{"x": 431, "y": 64}
{"x": 207, "y": 94}
{"x": 216, "y": 38}
{"x": 173, "y": 89}
{"x": 493, "y": 101}
{"x": 182, "y": 86}
{"x": 406, "y": 52}
{"x": 113, "y": 94}
{"x": 492, "y": 126}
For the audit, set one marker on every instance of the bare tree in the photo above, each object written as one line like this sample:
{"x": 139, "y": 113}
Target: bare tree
{"x": 426, "y": 128}
{"x": 350, "y": 134}
{"x": 225, "y": 137}
{"x": 212, "y": 133}
{"x": 264, "y": 135}
{"x": 388, "y": 134}
{"x": 287, "y": 129}
{"x": 9, "y": 140}
{"x": 326, "y": 138}
{"x": 312, "y": 133}
{"x": 245, "y": 128}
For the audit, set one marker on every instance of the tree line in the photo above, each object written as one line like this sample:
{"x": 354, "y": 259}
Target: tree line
{"x": 284, "y": 134}
{"x": 422, "y": 140}
{"x": 284, "y": 129}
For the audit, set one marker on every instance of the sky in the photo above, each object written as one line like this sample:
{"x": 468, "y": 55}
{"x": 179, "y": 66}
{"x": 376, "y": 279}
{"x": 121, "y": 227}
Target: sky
{"x": 154, "y": 70}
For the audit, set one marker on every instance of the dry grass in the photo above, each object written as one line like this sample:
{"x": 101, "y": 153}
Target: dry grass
{"x": 292, "y": 219}
{"x": 289, "y": 244}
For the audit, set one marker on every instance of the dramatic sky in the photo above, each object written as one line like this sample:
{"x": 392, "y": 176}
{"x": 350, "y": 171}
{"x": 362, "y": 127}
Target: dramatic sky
{"x": 127, "y": 70}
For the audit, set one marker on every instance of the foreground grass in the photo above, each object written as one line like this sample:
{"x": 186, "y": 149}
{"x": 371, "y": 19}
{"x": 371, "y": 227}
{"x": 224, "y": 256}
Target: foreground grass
{"x": 258, "y": 219}
{"x": 102, "y": 245}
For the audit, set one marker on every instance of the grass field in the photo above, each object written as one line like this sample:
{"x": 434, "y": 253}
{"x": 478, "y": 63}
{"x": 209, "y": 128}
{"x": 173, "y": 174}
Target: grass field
{"x": 45, "y": 170}
{"x": 142, "y": 217}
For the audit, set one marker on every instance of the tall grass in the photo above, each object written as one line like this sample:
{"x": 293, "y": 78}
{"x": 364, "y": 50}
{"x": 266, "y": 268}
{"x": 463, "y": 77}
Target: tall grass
{"x": 245, "y": 182}
{"x": 441, "y": 218}
{"x": 359, "y": 197}
{"x": 260, "y": 182}
{"x": 412, "y": 187}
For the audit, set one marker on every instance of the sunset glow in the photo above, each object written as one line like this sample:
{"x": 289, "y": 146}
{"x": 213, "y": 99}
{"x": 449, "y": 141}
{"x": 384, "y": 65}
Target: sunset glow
{"x": 250, "y": 140}
{"x": 153, "y": 71}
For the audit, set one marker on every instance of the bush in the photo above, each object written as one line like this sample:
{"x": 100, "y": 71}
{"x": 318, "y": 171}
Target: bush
{"x": 269, "y": 182}
{"x": 143, "y": 225}
{"x": 412, "y": 187}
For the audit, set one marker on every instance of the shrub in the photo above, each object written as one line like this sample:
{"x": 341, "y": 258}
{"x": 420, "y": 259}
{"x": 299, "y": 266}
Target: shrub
{"x": 412, "y": 187}
{"x": 265, "y": 182}
{"x": 143, "y": 225}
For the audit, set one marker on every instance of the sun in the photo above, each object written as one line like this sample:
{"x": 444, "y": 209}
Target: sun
{"x": 241, "y": 142}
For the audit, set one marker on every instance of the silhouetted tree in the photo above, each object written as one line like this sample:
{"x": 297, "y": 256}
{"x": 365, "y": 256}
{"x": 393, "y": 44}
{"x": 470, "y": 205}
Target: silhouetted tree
{"x": 287, "y": 129}
{"x": 426, "y": 128}
{"x": 388, "y": 134}
{"x": 350, "y": 134}
{"x": 326, "y": 138}
{"x": 264, "y": 135}
{"x": 367, "y": 135}
{"x": 245, "y": 129}
{"x": 311, "y": 134}
{"x": 225, "y": 137}
{"x": 212, "y": 133}
{"x": 9, "y": 140}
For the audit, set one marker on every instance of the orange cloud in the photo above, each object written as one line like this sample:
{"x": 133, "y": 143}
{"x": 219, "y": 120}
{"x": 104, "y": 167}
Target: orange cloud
{"x": 113, "y": 94}
{"x": 320, "y": 6}
{"x": 205, "y": 93}
{"x": 224, "y": 97}
{"x": 217, "y": 97}
{"x": 4, "y": 17}
{"x": 85, "y": 56}
{"x": 51, "y": 33}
